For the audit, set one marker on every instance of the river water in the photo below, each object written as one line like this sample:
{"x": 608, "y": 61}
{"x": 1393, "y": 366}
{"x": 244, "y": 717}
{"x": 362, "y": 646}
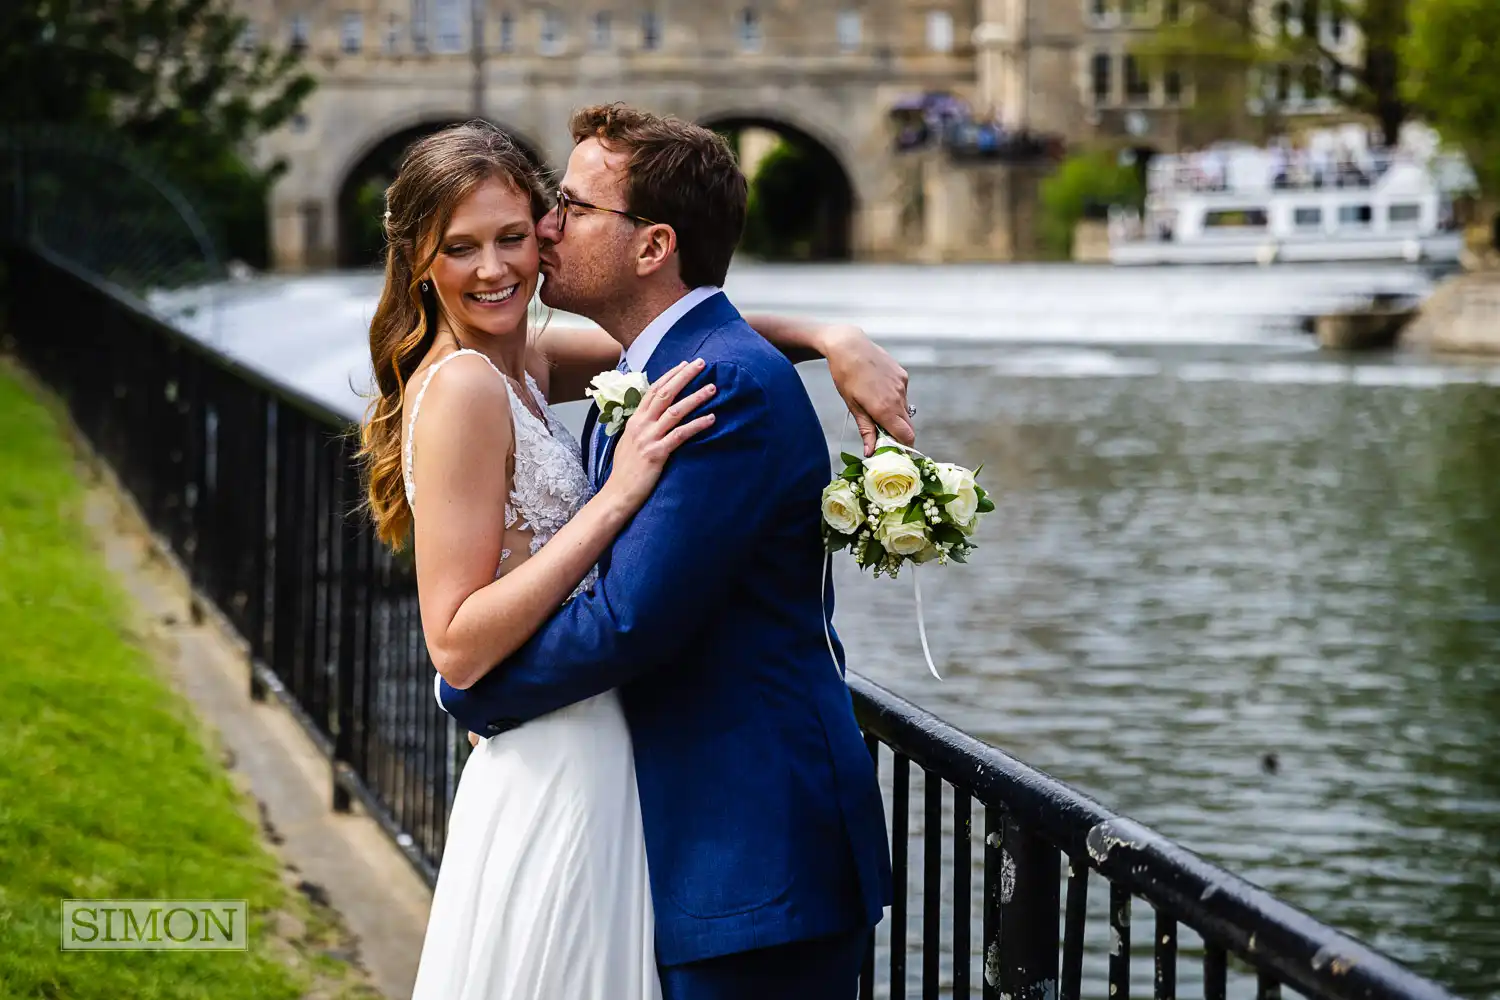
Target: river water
{"x": 1243, "y": 592}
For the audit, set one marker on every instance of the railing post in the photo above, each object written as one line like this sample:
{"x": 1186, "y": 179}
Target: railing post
{"x": 350, "y": 575}
{"x": 262, "y": 511}
{"x": 1029, "y": 882}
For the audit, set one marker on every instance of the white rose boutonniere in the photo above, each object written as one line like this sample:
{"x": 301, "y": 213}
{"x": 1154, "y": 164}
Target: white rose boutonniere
{"x": 617, "y": 394}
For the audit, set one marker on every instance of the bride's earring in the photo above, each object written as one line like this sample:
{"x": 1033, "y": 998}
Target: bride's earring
{"x": 426, "y": 287}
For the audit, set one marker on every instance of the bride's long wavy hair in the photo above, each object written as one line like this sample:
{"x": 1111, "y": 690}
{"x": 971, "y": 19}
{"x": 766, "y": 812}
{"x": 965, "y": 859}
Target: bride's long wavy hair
{"x": 437, "y": 173}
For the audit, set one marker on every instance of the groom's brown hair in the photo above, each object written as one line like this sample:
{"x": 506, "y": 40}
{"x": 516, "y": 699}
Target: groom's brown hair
{"x": 679, "y": 174}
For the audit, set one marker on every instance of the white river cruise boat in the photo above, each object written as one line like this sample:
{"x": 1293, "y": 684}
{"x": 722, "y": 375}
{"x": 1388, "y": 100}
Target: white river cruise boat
{"x": 1247, "y": 205}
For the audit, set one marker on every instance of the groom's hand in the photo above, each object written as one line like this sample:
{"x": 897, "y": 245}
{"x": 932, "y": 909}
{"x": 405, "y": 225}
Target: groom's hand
{"x": 872, "y": 384}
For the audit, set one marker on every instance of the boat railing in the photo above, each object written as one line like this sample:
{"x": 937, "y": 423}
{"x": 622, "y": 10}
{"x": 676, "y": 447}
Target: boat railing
{"x": 1264, "y": 172}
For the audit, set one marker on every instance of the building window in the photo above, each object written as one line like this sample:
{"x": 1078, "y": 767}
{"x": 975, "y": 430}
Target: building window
{"x": 939, "y": 31}
{"x": 249, "y": 37}
{"x": 1311, "y": 15}
{"x": 849, "y": 30}
{"x": 299, "y": 33}
{"x": 1171, "y": 83}
{"x": 507, "y": 32}
{"x": 1171, "y": 11}
{"x": 749, "y": 30}
{"x": 1099, "y": 10}
{"x": 650, "y": 31}
{"x": 1308, "y": 218}
{"x": 1100, "y": 75}
{"x": 1137, "y": 83}
{"x": 1404, "y": 215}
{"x": 352, "y": 32}
{"x": 1312, "y": 82}
{"x": 448, "y": 34}
{"x": 603, "y": 25}
{"x": 1283, "y": 84}
{"x": 1355, "y": 216}
{"x": 551, "y": 41}
{"x": 419, "y": 25}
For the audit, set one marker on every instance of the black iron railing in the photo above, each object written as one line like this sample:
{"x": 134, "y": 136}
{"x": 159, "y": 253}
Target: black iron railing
{"x": 1010, "y": 883}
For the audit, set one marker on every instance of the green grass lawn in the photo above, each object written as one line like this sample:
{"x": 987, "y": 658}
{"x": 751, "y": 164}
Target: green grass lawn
{"x": 106, "y": 787}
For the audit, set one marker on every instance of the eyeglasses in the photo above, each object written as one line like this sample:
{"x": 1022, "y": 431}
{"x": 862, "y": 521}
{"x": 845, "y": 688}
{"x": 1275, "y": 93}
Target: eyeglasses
{"x": 566, "y": 201}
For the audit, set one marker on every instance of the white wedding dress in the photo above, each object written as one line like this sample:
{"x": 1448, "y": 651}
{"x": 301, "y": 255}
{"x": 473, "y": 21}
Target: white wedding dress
{"x": 543, "y": 889}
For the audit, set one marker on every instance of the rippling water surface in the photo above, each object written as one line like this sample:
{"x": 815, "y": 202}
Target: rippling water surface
{"x": 1242, "y": 592}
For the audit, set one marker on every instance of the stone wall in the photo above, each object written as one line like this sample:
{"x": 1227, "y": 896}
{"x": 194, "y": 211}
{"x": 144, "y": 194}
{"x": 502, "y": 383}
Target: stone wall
{"x": 1461, "y": 317}
{"x": 956, "y": 210}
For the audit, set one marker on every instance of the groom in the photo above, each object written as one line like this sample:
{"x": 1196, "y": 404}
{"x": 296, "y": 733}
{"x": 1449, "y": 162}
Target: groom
{"x": 765, "y": 832}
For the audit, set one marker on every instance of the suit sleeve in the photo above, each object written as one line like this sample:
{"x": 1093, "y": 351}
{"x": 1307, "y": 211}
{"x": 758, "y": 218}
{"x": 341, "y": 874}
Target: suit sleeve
{"x": 671, "y": 566}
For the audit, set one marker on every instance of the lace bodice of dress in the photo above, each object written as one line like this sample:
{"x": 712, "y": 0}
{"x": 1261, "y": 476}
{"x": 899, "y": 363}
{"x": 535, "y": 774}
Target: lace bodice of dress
{"x": 550, "y": 483}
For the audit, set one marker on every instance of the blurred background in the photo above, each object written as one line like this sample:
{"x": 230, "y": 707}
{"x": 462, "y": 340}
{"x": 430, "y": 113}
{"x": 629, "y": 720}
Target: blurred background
{"x": 1209, "y": 286}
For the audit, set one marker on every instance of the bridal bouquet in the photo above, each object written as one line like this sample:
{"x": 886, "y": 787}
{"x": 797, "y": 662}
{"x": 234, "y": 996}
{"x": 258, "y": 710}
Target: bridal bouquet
{"x": 900, "y": 506}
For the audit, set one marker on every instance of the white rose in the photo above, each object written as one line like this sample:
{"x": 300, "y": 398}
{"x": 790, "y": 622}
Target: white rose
{"x": 841, "y": 507}
{"x": 611, "y": 390}
{"x": 960, "y": 482}
{"x": 900, "y": 538}
{"x": 891, "y": 480}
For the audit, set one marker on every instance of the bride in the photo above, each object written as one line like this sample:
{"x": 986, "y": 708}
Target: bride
{"x": 543, "y": 889}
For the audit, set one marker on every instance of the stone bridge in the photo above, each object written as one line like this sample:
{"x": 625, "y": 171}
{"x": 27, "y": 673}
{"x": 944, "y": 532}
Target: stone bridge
{"x": 826, "y": 72}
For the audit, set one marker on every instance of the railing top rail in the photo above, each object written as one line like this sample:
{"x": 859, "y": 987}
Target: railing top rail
{"x": 1309, "y": 956}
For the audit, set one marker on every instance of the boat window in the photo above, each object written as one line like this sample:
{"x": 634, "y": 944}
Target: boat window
{"x": 1307, "y": 218}
{"x": 1404, "y": 215}
{"x": 1235, "y": 218}
{"x": 1355, "y": 215}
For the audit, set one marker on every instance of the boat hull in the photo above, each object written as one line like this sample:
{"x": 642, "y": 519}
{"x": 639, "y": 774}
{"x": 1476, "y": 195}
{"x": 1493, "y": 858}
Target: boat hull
{"x": 1437, "y": 248}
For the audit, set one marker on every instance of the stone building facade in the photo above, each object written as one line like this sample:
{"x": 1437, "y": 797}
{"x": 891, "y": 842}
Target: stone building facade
{"x": 824, "y": 70}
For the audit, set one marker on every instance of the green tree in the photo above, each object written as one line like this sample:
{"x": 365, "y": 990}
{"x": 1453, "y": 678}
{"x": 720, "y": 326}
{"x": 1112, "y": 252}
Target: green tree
{"x": 180, "y": 79}
{"x": 1453, "y": 75}
{"x": 797, "y": 204}
{"x": 1085, "y": 184}
{"x": 1225, "y": 45}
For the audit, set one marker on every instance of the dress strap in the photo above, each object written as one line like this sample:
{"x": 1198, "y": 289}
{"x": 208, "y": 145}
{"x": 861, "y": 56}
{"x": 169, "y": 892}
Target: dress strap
{"x": 416, "y": 407}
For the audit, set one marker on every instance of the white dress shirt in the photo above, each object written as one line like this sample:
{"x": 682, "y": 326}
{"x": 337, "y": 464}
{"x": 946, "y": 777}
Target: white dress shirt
{"x": 638, "y": 355}
{"x": 640, "y": 351}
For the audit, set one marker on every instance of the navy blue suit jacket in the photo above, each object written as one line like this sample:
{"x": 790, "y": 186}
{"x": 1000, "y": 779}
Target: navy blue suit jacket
{"x": 763, "y": 819}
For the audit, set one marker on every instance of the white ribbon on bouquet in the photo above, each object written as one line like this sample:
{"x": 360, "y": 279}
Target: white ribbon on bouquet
{"x": 916, "y": 589}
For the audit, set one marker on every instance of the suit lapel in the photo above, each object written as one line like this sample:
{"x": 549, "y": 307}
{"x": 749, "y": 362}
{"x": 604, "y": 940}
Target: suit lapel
{"x": 680, "y": 344}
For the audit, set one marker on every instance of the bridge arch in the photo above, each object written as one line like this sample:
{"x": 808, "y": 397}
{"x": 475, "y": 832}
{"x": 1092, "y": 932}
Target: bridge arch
{"x": 804, "y": 195}
{"x": 371, "y": 166}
